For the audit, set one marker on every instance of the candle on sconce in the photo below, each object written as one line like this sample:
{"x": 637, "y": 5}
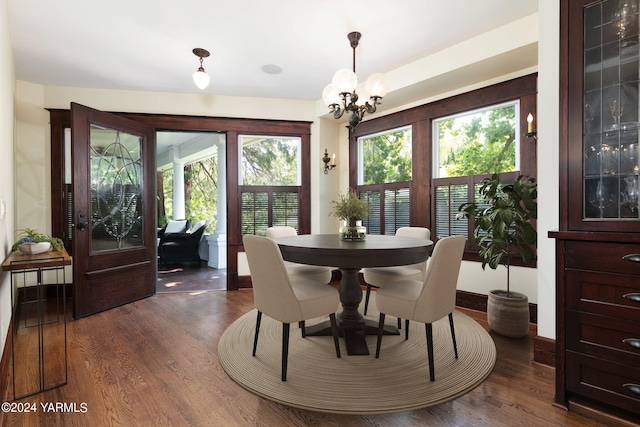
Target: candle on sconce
{"x": 530, "y": 123}
{"x": 333, "y": 159}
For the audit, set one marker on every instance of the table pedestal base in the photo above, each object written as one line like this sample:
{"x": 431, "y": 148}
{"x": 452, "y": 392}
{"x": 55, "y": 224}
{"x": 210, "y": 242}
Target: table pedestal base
{"x": 354, "y": 338}
{"x": 351, "y": 324}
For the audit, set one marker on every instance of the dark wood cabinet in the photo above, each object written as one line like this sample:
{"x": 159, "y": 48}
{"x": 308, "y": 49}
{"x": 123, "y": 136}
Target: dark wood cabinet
{"x": 598, "y": 243}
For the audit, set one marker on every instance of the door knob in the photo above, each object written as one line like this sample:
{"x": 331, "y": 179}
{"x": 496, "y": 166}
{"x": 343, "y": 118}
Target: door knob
{"x": 82, "y": 221}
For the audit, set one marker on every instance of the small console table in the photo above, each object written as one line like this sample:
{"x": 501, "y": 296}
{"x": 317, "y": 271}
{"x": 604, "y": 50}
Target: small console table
{"x": 39, "y": 321}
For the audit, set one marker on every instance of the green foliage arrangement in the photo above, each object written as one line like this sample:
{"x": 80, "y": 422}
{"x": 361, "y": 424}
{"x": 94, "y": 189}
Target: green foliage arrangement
{"x": 350, "y": 208}
{"x": 29, "y": 235}
{"x": 503, "y": 220}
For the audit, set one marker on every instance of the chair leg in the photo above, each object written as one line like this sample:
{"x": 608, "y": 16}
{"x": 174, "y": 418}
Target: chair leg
{"x": 285, "y": 349}
{"x": 400, "y": 323}
{"x": 303, "y": 331}
{"x": 429, "y": 330}
{"x": 406, "y": 328}
{"x": 380, "y": 330}
{"x": 255, "y": 338}
{"x": 334, "y": 331}
{"x": 453, "y": 335}
{"x": 366, "y": 299}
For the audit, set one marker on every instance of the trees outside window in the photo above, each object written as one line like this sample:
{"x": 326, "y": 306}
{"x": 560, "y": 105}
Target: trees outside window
{"x": 477, "y": 142}
{"x": 200, "y": 192}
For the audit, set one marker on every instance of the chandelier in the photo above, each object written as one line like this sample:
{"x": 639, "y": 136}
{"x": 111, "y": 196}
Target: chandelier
{"x": 340, "y": 95}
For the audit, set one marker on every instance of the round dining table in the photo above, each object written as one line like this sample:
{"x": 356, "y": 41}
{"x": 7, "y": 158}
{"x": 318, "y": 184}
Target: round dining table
{"x": 350, "y": 257}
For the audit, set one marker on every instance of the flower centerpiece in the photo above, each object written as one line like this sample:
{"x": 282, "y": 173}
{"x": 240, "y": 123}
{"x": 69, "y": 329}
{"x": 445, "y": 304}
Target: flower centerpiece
{"x": 33, "y": 242}
{"x": 352, "y": 210}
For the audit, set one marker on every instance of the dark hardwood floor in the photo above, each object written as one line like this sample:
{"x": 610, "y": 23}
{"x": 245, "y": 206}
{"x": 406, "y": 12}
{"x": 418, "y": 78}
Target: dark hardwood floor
{"x": 154, "y": 363}
{"x": 188, "y": 278}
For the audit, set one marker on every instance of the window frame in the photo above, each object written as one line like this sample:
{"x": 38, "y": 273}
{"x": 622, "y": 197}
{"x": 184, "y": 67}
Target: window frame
{"x": 420, "y": 118}
{"x": 436, "y": 146}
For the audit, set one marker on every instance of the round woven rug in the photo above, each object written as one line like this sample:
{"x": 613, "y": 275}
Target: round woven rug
{"x": 317, "y": 380}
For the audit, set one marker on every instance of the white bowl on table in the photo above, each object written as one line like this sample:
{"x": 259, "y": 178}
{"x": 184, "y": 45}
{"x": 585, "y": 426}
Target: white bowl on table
{"x": 31, "y": 248}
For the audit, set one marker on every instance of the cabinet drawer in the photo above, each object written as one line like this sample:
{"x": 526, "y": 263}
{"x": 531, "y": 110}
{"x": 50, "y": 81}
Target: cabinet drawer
{"x": 605, "y": 337}
{"x": 613, "y": 295}
{"x": 612, "y": 383}
{"x": 603, "y": 256}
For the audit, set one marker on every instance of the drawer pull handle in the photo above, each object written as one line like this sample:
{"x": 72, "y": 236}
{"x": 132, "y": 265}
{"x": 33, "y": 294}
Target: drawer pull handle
{"x": 633, "y": 388}
{"x": 633, "y": 342}
{"x": 632, "y": 257}
{"x": 633, "y": 297}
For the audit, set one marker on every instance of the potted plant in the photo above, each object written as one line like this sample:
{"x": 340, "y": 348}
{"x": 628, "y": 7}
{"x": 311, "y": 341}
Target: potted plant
{"x": 503, "y": 229}
{"x": 33, "y": 242}
{"x": 352, "y": 210}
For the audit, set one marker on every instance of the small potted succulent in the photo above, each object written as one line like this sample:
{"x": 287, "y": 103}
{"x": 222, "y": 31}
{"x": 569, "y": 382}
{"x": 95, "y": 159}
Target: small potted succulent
{"x": 33, "y": 242}
{"x": 352, "y": 210}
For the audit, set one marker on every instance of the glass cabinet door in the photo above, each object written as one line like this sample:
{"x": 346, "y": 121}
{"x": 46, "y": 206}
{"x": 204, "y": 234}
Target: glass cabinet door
{"x": 610, "y": 94}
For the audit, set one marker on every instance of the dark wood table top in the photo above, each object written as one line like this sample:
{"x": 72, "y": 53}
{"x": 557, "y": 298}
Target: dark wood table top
{"x": 16, "y": 260}
{"x": 374, "y": 251}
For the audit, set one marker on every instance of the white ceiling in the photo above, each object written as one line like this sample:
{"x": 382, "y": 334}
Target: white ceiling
{"x": 146, "y": 44}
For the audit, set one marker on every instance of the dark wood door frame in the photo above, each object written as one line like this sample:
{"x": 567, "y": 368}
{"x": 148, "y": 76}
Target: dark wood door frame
{"x": 60, "y": 119}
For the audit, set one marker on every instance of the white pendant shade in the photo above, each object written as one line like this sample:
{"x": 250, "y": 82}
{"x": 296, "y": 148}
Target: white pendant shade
{"x": 330, "y": 95}
{"x": 363, "y": 95}
{"x": 377, "y": 85}
{"x": 345, "y": 80}
{"x": 201, "y": 79}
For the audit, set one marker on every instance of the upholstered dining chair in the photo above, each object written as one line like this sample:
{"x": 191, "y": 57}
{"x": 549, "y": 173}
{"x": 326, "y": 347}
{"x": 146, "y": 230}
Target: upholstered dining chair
{"x": 380, "y": 276}
{"x": 284, "y": 299}
{"x": 295, "y": 270}
{"x": 426, "y": 301}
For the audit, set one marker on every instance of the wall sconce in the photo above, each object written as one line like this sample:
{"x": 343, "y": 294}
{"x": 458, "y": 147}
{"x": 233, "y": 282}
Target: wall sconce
{"x": 530, "y": 133}
{"x": 326, "y": 159}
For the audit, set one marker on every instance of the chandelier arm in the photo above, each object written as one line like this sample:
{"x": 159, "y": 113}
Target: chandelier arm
{"x": 337, "y": 111}
{"x": 371, "y": 108}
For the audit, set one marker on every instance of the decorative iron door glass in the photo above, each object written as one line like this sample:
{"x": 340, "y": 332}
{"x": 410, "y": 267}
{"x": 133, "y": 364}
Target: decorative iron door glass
{"x": 116, "y": 190}
{"x": 610, "y": 141}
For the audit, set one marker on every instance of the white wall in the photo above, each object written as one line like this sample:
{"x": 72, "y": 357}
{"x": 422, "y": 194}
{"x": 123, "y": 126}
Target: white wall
{"x": 7, "y": 194}
{"x": 548, "y": 160}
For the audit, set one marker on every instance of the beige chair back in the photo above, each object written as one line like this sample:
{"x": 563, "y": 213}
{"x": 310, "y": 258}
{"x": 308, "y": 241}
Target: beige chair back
{"x": 280, "y": 231}
{"x": 272, "y": 291}
{"x": 418, "y": 233}
{"x": 438, "y": 296}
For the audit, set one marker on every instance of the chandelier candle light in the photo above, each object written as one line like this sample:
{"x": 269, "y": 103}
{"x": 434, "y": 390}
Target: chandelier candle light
{"x": 340, "y": 95}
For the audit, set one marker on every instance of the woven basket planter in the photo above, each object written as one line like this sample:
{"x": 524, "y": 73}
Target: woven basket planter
{"x": 508, "y": 316}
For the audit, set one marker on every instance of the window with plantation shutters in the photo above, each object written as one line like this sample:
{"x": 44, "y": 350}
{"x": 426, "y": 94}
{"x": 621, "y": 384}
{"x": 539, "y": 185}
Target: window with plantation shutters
{"x": 285, "y": 210}
{"x": 384, "y": 177}
{"x": 389, "y": 206}
{"x": 372, "y": 222}
{"x": 270, "y": 178}
{"x": 419, "y": 165}
{"x": 397, "y": 207}
{"x": 447, "y": 198}
{"x": 267, "y": 207}
{"x": 449, "y": 194}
